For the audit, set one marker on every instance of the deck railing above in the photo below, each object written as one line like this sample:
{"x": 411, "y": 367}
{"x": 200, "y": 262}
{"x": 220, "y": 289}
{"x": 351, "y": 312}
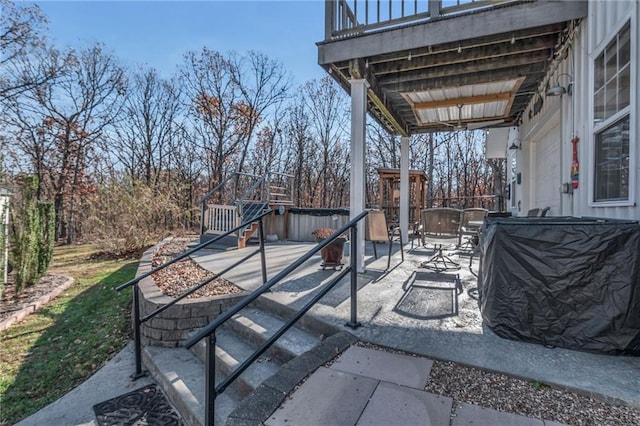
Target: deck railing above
{"x": 346, "y": 18}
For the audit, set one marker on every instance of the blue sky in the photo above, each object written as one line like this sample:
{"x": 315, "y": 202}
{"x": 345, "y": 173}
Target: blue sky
{"x": 157, "y": 33}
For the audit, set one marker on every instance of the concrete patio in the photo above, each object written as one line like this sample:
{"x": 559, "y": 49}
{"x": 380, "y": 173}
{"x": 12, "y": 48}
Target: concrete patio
{"x": 415, "y": 310}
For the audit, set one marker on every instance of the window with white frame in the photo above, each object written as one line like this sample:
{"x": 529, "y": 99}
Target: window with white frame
{"x": 612, "y": 94}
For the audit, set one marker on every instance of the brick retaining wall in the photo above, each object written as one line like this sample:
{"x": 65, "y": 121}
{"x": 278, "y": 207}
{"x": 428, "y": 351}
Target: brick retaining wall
{"x": 171, "y": 327}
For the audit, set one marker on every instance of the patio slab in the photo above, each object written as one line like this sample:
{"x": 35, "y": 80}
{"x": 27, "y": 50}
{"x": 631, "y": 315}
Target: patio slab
{"x": 328, "y": 397}
{"x": 399, "y": 369}
{"x": 398, "y": 405}
{"x": 460, "y": 338}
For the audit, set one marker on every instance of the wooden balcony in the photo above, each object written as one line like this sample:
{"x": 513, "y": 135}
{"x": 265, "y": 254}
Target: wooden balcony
{"x": 447, "y": 65}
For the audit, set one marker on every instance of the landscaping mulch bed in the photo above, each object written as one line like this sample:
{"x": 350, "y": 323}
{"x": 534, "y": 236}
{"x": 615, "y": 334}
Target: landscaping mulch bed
{"x": 184, "y": 274}
{"x": 12, "y": 302}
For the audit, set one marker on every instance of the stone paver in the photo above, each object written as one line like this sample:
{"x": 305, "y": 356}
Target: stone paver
{"x": 398, "y": 405}
{"x": 469, "y": 414}
{"x": 386, "y": 366}
{"x": 328, "y": 397}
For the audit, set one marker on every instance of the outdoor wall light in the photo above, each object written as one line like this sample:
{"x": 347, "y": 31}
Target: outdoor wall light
{"x": 516, "y": 144}
{"x": 558, "y": 90}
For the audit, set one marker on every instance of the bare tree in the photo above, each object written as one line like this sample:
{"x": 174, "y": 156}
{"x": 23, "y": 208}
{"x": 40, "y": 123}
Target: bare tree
{"x": 187, "y": 168}
{"x": 298, "y": 133}
{"x": 263, "y": 83}
{"x": 146, "y": 127}
{"x": 268, "y": 147}
{"x": 218, "y": 118}
{"x": 328, "y": 112}
{"x": 57, "y": 124}
{"x": 22, "y": 43}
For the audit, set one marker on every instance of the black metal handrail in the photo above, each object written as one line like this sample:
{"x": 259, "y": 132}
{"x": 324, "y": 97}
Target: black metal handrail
{"x": 208, "y": 331}
{"x": 136, "y": 291}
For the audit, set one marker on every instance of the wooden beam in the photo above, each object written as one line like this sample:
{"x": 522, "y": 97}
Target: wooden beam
{"x": 358, "y": 69}
{"x": 467, "y": 68}
{"x": 469, "y": 100}
{"x": 521, "y": 36}
{"x": 533, "y": 70}
{"x": 493, "y": 52}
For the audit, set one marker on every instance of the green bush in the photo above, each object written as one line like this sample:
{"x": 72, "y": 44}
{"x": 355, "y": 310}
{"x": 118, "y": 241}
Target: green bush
{"x": 3, "y": 260}
{"x": 47, "y": 219}
{"x": 32, "y": 228}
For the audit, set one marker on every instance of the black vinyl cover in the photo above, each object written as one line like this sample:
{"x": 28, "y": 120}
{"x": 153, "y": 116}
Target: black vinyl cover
{"x": 566, "y": 282}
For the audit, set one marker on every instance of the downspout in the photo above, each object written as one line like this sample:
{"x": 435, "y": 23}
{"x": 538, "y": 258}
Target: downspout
{"x": 561, "y": 156}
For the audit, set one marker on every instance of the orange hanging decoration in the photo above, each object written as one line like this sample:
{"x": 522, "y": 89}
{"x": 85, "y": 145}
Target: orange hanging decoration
{"x": 575, "y": 166}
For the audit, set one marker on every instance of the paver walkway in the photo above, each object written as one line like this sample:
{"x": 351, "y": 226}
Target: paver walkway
{"x": 372, "y": 387}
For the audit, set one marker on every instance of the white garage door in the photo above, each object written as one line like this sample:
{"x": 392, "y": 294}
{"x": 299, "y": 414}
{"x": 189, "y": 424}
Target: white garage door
{"x": 546, "y": 176}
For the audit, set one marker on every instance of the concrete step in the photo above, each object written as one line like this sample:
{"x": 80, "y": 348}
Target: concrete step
{"x": 269, "y": 303}
{"x": 231, "y": 351}
{"x": 258, "y": 325}
{"x": 180, "y": 375}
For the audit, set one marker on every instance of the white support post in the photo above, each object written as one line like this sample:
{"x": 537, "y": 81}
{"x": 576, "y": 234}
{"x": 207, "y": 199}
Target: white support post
{"x": 404, "y": 188}
{"x": 357, "y": 192}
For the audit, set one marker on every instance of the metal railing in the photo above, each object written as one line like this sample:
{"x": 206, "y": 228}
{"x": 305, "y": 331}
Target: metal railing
{"x": 280, "y": 188}
{"x": 344, "y": 18}
{"x": 489, "y": 202}
{"x": 270, "y": 188}
{"x": 209, "y": 331}
{"x": 229, "y": 195}
{"x": 138, "y": 321}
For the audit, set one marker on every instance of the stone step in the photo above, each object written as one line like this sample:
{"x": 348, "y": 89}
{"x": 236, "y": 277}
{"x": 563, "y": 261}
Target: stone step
{"x": 231, "y": 351}
{"x": 181, "y": 372}
{"x": 269, "y": 303}
{"x": 257, "y": 326}
{"x": 180, "y": 375}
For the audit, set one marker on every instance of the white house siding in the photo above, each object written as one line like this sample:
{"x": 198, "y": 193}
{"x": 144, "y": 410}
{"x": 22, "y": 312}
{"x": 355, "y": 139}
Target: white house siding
{"x": 604, "y": 20}
{"x": 546, "y": 146}
{"x": 545, "y": 149}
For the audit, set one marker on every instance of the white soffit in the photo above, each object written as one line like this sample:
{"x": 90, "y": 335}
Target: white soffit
{"x": 475, "y": 102}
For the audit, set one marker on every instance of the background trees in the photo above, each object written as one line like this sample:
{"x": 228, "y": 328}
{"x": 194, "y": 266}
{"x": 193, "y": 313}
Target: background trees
{"x": 21, "y": 40}
{"x": 123, "y": 151}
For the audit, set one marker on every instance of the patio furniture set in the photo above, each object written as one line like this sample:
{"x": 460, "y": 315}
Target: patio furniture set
{"x": 448, "y": 226}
